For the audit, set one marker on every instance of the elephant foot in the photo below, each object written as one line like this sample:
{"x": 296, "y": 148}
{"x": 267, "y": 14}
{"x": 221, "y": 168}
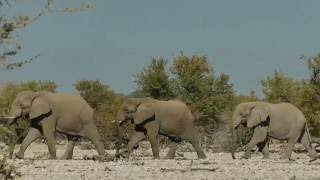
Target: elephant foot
{"x": 156, "y": 158}
{"x": 104, "y": 158}
{"x": 168, "y": 157}
{"x": 19, "y": 155}
{"x": 65, "y": 157}
{"x": 313, "y": 156}
{"x": 246, "y": 156}
{"x": 265, "y": 157}
{"x": 123, "y": 154}
{"x": 285, "y": 157}
{"x": 53, "y": 157}
{"x": 202, "y": 156}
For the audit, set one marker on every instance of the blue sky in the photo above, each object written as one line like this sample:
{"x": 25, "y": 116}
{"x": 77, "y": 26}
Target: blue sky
{"x": 246, "y": 39}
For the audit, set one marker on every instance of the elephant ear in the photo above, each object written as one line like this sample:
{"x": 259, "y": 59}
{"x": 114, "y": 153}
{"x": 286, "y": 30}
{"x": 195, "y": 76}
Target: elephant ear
{"x": 39, "y": 107}
{"x": 257, "y": 116}
{"x": 144, "y": 112}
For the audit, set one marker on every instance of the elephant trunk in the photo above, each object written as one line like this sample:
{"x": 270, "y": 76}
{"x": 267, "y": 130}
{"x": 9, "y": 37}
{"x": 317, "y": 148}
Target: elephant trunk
{"x": 11, "y": 120}
{"x": 121, "y": 118}
{"x": 234, "y": 142}
{"x": 237, "y": 120}
{"x": 14, "y": 114}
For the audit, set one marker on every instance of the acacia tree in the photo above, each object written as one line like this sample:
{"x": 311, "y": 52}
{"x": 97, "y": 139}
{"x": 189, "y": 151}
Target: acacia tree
{"x": 279, "y": 88}
{"x": 10, "y": 46}
{"x": 314, "y": 69}
{"x": 196, "y": 84}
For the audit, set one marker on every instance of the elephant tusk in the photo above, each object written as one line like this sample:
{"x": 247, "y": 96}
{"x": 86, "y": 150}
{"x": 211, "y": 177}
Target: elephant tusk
{"x": 121, "y": 123}
{"x": 9, "y": 117}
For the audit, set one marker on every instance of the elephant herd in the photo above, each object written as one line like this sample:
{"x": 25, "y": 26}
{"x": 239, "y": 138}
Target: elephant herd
{"x": 71, "y": 115}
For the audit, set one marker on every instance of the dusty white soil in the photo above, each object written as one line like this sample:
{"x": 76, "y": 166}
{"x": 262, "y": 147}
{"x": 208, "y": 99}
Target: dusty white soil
{"x": 142, "y": 166}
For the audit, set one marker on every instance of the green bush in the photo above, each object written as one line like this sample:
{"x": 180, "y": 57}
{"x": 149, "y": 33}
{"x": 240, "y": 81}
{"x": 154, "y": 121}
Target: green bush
{"x": 7, "y": 171}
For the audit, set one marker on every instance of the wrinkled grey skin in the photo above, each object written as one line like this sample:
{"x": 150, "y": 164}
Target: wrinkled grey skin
{"x": 280, "y": 121}
{"x": 152, "y": 117}
{"x": 53, "y": 112}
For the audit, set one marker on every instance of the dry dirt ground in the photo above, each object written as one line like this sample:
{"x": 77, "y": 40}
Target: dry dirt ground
{"x": 142, "y": 166}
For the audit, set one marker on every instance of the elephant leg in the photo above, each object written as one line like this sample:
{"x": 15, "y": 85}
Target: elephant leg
{"x": 135, "y": 139}
{"x": 51, "y": 141}
{"x": 264, "y": 148}
{"x": 172, "y": 150}
{"x": 32, "y": 135}
{"x": 193, "y": 138}
{"x": 290, "y": 145}
{"x": 259, "y": 135}
{"x": 91, "y": 132}
{"x": 69, "y": 151}
{"x": 306, "y": 143}
{"x": 288, "y": 151}
{"x": 152, "y": 133}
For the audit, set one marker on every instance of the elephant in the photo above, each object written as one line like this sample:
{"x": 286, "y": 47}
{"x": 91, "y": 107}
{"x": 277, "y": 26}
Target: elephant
{"x": 55, "y": 112}
{"x": 152, "y": 118}
{"x": 282, "y": 121}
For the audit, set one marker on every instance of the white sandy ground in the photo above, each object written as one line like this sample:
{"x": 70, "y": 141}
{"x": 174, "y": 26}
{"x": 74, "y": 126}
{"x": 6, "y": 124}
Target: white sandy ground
{"x": 142, "y": 166}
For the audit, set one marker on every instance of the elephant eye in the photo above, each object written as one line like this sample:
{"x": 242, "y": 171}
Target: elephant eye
{"x": 243, "y": 115}
{"x": 128, "y": 111}
{"x": 22, "y": 106}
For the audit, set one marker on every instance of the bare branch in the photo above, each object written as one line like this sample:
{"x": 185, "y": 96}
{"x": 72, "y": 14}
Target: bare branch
{"x": 8, "y": 26}
{"x": 10, "y": 66}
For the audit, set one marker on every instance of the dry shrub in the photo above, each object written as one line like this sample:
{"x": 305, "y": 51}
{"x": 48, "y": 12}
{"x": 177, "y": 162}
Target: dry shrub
{"x": 8, "y": 171}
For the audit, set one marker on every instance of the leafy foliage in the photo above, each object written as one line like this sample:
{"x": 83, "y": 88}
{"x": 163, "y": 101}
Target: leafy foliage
{"x": 314, "y": 69}
{"x": 154, "y": 80}
{"x": 280, "y": 88}
{"x": 8, "y": 171}
{"x": 207, "y": 95}
{"x": 310, "y": 94}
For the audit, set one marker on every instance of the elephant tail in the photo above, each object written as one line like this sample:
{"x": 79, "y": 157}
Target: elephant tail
{"x": 309, "y": 137}
{"x": 313, "y": 156}
{"x": 308, "y": 133}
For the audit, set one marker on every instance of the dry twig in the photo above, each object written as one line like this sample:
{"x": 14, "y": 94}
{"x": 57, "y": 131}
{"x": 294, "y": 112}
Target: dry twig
{"x": 190, "y": 168}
